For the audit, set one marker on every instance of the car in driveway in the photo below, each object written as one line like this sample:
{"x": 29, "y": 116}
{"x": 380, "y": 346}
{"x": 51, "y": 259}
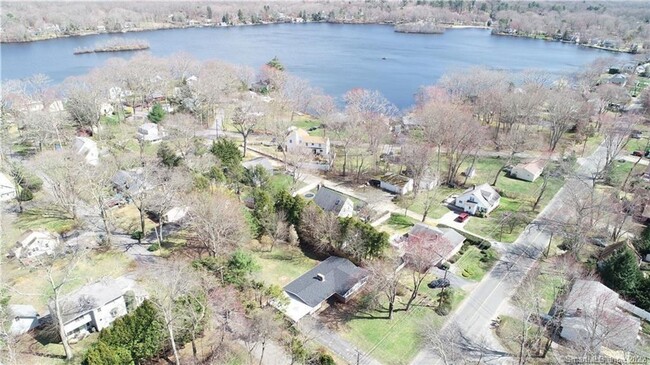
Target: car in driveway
{"x": 439, "y": 283}
{"x": 637, "y": 153}
{"x": 462, "y": 217}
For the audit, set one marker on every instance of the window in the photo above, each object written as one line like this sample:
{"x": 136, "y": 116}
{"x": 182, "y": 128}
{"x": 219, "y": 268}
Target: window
{"x": 114, "y": 312}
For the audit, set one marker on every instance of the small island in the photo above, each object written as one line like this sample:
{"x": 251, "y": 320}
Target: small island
{"x": 419, "y": 27}
{"x": 115, "y": 45}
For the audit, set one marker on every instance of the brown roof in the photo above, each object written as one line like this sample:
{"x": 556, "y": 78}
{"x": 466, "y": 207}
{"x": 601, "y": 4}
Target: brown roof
{"x": 534, "y": 167}
{"x": 309, "y": 138}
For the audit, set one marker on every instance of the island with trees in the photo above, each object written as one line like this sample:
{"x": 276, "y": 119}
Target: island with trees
{"x": 115, "y": 45}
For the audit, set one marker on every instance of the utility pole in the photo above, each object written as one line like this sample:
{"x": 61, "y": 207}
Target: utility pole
{"x": 550, "y": 242}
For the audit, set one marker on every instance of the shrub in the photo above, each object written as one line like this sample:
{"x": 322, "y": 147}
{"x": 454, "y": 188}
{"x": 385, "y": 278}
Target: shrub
{"x": 483, "y": 245}
{"x": 153, "y": 247}
{"x": 454, "y": 258}
{"x": 137, "y": 235}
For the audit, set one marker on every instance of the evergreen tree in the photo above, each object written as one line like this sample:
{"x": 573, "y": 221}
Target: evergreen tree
{"x": 157, "y": 113}
{"x": 102, "y": 354}
{"x": 168, "y": 157}
{"x": 228, "y": 153}
{"x": 239, "y": 267}
{"x": 621, "y": 272}
{"x": 276, "y": 64}
{"x": 209, "y": 12}
{"x": 292, "y": 206}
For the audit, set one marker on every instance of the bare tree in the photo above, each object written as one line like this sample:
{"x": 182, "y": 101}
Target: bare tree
{"x": 420, "y": 254}
{"x": 417, "y": 157}
{"x": 217, "y": 221}
{"x": 84, "y": 102}
{"x": 386, "y": 278}
{"x": 98, "y": 191}
{"x": 61, "y": 172}
{"x": 372, "y": 112}
{"x": 168, "y": 188}
{"x": 516, "y": 141}
{"x": 617, "y": 134}
{"x": 562, "y": 112}
{"x": 276, "y": 227}
{"x": 181, "y": 130}
{"x": 246, "y": 118}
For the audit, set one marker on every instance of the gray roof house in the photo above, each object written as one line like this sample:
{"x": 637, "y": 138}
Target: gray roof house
{"x": 593, "y": 318}
{"x": 480, "y": 199}
{"x": 335, "y": 277}
{"x": 129, "y": 182}
{"x": 23, "y": 318}
{"x": 259, "y": 161}
{"x": 333, "y": 201}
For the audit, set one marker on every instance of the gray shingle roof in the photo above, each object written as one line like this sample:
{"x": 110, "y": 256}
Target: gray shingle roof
{"x": 90, "y": 297}
{"x": 340, "y": 274}
{"x": 330, "y": 200}
{"x": 261, "y": 161}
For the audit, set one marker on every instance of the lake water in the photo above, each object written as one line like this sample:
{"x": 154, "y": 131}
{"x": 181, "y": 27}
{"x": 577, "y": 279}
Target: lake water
{"x": 334, "y": 57}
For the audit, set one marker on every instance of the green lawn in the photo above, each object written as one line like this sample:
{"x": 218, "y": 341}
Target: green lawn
{"x": 549, "y": 287}
{"x": 637, "y": 145}
{"x": 437, "y": 210}
{"x": 395, "y": 341}
{"x": 306, "y": 122}
{"x": 510, "y": 330}
{"x": 398, "y": 224}
{"x": 494, "y": 227}
{"x": 470, "y": 266}
{"x": 620, "y": 171}
{"x": 282, "y": 265}
{"x": 42, "y": 218}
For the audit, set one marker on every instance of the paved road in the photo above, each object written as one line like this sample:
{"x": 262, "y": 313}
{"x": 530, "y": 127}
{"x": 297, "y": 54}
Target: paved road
{"x": 482, "y": 305}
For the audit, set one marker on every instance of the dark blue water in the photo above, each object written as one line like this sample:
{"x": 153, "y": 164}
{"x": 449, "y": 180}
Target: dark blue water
{"x": 333, "y": 57}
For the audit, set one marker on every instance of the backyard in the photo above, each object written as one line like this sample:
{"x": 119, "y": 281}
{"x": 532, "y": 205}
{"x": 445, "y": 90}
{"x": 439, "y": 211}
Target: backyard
{"x": 474, "y": 263}
{"x": 282, "y": 265}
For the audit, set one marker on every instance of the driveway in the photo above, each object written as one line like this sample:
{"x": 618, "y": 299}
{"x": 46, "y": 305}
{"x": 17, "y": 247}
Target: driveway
{"x": 449, "y": 219}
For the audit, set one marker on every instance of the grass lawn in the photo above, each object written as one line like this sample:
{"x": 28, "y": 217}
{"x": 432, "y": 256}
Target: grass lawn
{"x": 510, "y": 330}
{"x": 620, "y": 171}
{"x": 470, "y": 266}
{"x": 437, "y": 210}
{"x": 398, "y": 224}
{"x": 52, "y": 352}
{"x": 42, "y": 218}
{"x": 398, "y": 340}
{"x": 282, "y": 265}
{"x": 30, "y": 285}
{"x": 549, "y": 287}
{"x": 494, "y": 227}
{"x": 280, "y": 181}
{"x": 127, "y": 218}
{"x": 636, "y": 145}
{"x": 306, "y": 122}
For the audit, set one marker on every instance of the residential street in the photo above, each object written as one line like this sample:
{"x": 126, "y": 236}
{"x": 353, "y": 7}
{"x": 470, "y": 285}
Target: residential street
{"x": 474, "y": 316}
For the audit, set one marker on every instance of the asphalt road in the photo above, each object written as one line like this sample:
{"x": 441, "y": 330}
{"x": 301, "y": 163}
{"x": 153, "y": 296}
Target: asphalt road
{"x": 474, "y": 316}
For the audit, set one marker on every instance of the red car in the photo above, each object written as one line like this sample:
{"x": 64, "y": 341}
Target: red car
{"x": 462, "y": 217}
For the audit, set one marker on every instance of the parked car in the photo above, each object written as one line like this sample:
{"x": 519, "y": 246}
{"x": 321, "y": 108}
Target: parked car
{"x": 462, "y": 217}
{"x": 636, "y": 134}
{"x": 439, "y": 283}
{"x": 637, "y": 153}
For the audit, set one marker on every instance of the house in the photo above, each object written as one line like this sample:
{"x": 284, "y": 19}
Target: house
{"x": 608, "y": 251}
{"x": 446, "y": 241}
{"x": 336, "y": 278}
{"x": 106, "y": 109}
{"x": 259, "y": 161}
{"x": 87, "y": 148}
{"x": 397, "y": 184}
{"x": 7, "y": 188}
{"x": 299, "y": 137}
{"x": 95, "y": 306}
{"x": 529, "y": 171}
{"x": 23, "y": 318}
{"x": 149, "y": 132}
{"x": 333, "y": 201}
{"x": 175, "y": 214}
{"x": 592, "y": 318}
{"x": 618, "y": 79}
{"x": 34, "y": 243}
{"x": 129, "y": 182}
{"x": 481, "y": 199}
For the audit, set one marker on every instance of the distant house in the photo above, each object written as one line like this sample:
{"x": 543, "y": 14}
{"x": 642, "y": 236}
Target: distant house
{"x": 106, "y": 109}
{"x": 529, "y": 171}
{"x": 299, "y": 138}
{"x": 56, "y": 106}
{"x": 333, "y": 201}
{"x": 87, "y": 148}
{"x": 7, "y": 188}
{"x": 35, "y": 243}
{"x": 335, "y": 277}
{"x": 95, "y": 306}
{"x": 150, "y": 132}
{"x": 23, "y": 318}
{"x": 259, "y": 161}
{"x": 592, "y": 318}
{"x": 618, "y": 79}
{"x": 398, "y": 184}
{"x": 481, "y": 199}
{"x": 175, "y": 214}
{"x": 446, "y": 241}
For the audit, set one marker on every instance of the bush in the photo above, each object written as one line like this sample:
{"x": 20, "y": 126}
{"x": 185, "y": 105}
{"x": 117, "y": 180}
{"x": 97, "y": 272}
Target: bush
{"x": 153, "y": 247}
{"x": 454, "y": 258}
{"x": 137, "y": 235}
{"x": 483, "y": 245}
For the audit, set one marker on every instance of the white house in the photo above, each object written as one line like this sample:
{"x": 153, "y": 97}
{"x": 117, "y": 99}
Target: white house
{"x": 481, "y": 199}
{"x": 529, "y": 171}
{"x": 298, "y": 137}
{"x": 393, "y": 183}
{"x": 95, "y": 306}
{"x": 150, "y": 132}
{"x": 23, "y": 318}
{"x": 34, "y": 243}
{"x": 7, "y": 188}
{"x": 88, "y": 149}
{"x": 175, "y": 214}
{"x": 333, "y": 201}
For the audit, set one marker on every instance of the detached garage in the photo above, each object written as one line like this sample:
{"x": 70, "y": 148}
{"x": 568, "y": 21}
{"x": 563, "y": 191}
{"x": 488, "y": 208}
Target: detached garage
{"x": 529, "y": 171}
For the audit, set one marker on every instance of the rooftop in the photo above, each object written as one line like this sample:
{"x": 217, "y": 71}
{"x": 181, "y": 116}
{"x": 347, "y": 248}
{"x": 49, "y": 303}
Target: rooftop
{"x": 394, "y": 179}
{"x": 330, "y": 200}
{"x": 446, "y": 239}
{"x": 93, "y": 296}
{"x": 339, "y": 276}
{"x": 534, "y": 167}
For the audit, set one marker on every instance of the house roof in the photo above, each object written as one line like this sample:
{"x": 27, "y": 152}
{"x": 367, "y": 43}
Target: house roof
{"x": 485, "y": 193}
{"x": 591, "y": 306}
{"x": 93, "y": 296}
{"x": 609, "y": 250}
{"x": 446, "y": 240}
{"x": 258, "y": 161}
{"x": 29, "y": 236}
{"x": 23, "y": 311}
{"x": 129, "y": 181}
{"x": 394, "y": 179}
{"x": 306, "y": 137}
{"x": 149, "y": 127}
{"x": 340, "y": 275}
{"x": 534, "y": 167}
{"x": 330, "y": 200}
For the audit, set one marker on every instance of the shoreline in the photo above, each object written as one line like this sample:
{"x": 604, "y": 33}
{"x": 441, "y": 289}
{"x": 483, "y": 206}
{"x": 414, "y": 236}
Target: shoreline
{"x": 185, "y": 26}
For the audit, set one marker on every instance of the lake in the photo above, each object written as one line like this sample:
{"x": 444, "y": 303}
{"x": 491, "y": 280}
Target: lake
{"x": 334, "y": 57}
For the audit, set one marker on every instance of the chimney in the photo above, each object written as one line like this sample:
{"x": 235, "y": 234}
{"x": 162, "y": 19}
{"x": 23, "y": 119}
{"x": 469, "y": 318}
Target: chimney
{"x": 320, "y": 277}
